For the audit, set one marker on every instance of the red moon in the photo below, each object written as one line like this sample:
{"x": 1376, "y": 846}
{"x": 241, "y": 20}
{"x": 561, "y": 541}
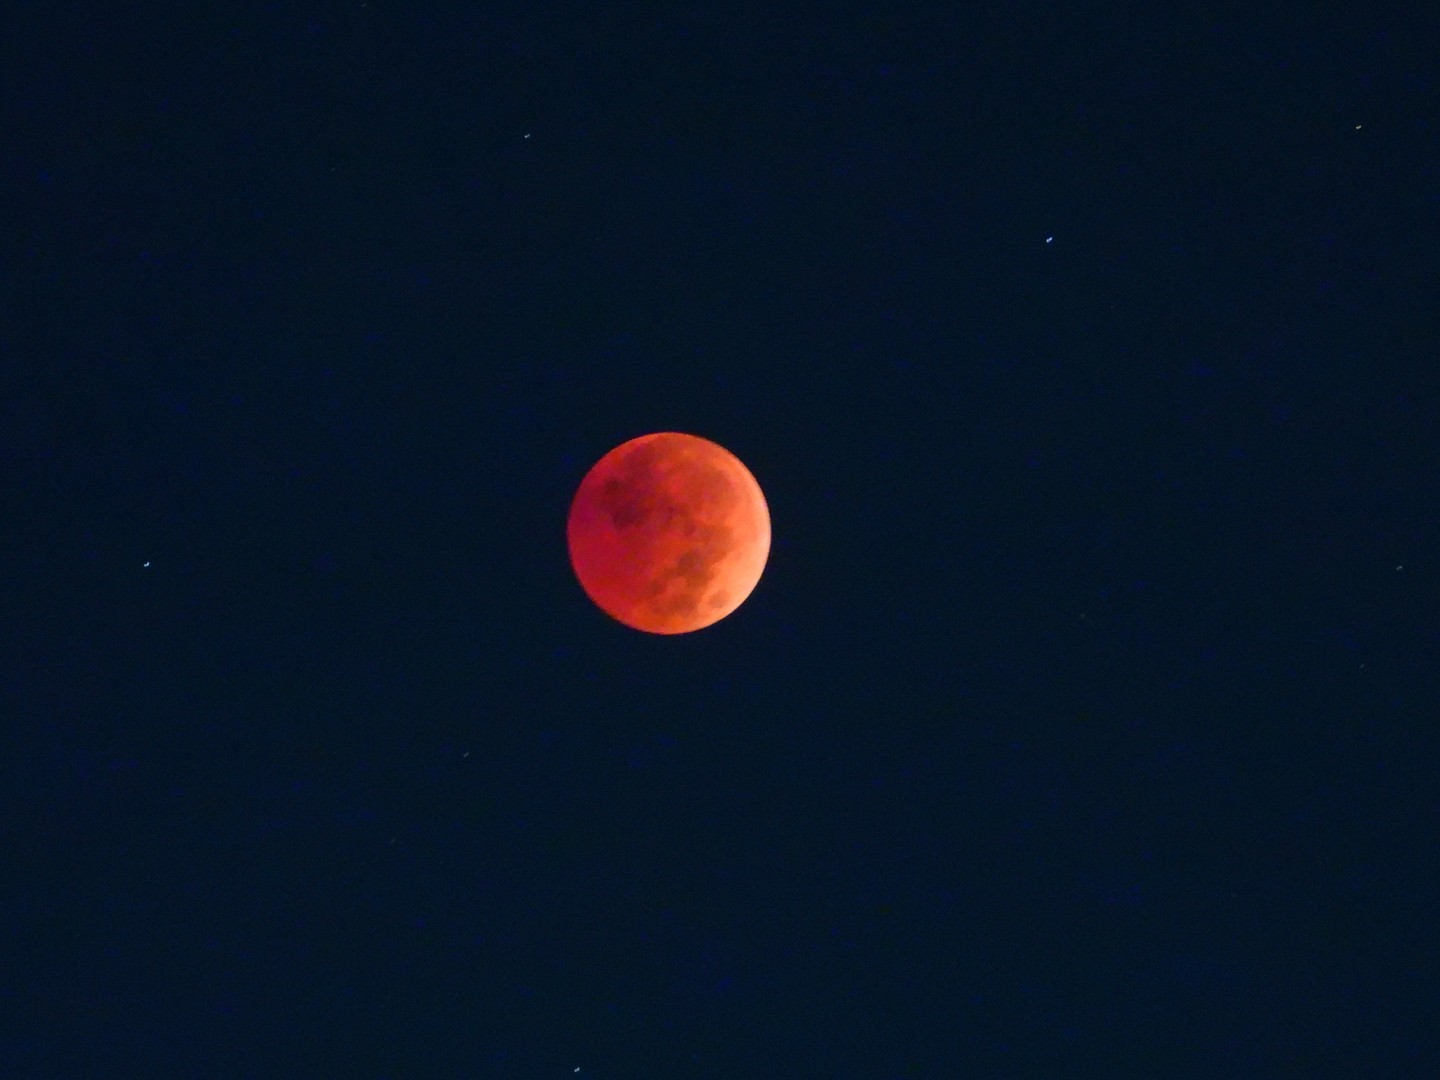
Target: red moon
{"x": 668, "y": 533}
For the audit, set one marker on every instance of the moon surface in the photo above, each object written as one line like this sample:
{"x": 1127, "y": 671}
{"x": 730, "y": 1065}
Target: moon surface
{"x": 668, "y": 533}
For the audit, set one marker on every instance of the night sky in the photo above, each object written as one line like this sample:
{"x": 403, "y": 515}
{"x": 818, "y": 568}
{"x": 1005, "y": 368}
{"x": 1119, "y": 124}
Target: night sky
{"x": 1082, "y": 724}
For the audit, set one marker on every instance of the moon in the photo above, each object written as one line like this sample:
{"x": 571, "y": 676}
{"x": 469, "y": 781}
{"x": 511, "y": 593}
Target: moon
{"x": 668, "y": 533}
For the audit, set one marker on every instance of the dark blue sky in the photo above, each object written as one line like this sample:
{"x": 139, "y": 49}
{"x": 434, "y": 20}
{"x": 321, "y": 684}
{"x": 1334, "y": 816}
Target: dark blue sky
{"x": 1082, "y": 724}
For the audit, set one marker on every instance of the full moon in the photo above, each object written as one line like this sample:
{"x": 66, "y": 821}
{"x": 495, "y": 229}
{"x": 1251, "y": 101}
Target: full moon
{"x": 668, "y": 533}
